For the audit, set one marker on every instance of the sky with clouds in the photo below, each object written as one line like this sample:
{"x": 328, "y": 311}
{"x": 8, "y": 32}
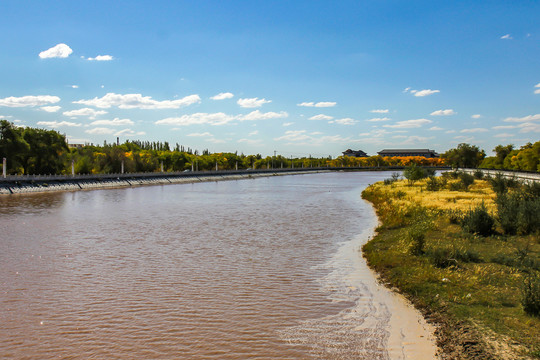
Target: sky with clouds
{"x": 295, "y": 77}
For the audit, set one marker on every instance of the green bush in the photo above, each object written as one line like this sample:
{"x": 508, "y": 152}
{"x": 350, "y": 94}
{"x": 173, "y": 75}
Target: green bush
{"x": 414, "y": 173}
{"x": 454, "y": 216}
{"x": 466, "y": 180}
{"x": 519, "y": 211}
{"x": 442, "y": 258}
{"x": 417, "y": 238}
{"x": 478, "y": 221}
{"x": 479, "y": 174}
{"x": 531, "y": 294}
{"x": 433, "y": 184}
{"x": 501, "y": 184}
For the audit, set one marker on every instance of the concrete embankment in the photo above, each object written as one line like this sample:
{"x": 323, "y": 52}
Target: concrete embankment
{"x": 32, "y": 184}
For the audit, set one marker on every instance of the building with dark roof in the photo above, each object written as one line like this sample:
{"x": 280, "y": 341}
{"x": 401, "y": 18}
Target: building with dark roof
{"x": 409, "y": 152}
{"x": 355, "y": 153}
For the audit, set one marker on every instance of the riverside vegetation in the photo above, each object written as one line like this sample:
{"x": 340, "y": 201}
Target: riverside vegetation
{"x": 466, "y": 251}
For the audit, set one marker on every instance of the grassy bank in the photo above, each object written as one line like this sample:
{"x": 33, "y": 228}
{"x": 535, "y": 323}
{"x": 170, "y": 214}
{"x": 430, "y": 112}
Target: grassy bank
{"x": 479, "y": 289}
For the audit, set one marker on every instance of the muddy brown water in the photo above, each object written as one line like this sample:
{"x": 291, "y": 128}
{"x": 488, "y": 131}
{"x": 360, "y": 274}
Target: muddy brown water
{"x": 249, "y": 269}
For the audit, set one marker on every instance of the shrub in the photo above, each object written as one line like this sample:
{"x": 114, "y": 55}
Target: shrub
{"x": 519, "y": 211}
{"x": 467, "y": 256}
{"x": 417, "y": 239}
{"x": 441, "y": 258}
{"x": 455, "y": 186}
{"x": 388, "y": 181}
{"x": 414, "y": 173}
{"x": 479, "y": 174}
{"x": 501, "y": 184}
{"x": 466, "y": 180}
{"x": 430, "y": 171}
{"x": 531, "y": 295}
{"x": 507, "y": 212}
{"x": 478, "y": 221}
{"x": 454, "y": 216}
{"x": 433, "y": 184}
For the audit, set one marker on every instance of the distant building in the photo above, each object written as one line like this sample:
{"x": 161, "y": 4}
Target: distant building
{"x": 409, "y": 152}
{"x": 76, "y": 146}
{"x": 355, "y": 153}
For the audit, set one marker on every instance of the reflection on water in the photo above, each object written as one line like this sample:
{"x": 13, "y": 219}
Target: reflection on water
{"x": 221, "y": 270}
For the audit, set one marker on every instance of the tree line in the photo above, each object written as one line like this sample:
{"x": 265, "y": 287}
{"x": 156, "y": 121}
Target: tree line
{"x": 39, "y": 151}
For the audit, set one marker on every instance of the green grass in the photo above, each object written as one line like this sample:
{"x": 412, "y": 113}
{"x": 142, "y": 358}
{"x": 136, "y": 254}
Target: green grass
{"x": 478, "y": 285}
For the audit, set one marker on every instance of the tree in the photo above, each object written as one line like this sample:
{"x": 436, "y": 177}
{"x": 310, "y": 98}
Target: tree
{"x": 502, "y": 152}
{"x": 13, "y": 147}
{"x": 414, "y": 173}
{"x": 46, "y": 153}
{"x": 465, "y": 156}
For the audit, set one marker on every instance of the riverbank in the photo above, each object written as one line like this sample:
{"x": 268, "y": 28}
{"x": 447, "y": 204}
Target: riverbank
{"x": 57, "y": 183}
{"x": 469, "y": 286}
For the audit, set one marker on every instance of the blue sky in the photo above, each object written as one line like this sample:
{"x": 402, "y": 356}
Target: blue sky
{"x": 296, "y": 77}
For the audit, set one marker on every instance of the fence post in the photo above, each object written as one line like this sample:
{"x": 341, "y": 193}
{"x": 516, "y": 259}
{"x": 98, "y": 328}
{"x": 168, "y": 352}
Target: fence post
{"x": 4, "y": 167}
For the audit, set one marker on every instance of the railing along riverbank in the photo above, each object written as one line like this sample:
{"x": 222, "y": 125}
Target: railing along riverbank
{"x": 518, "y": 175}
{"x": 13, "y": 184}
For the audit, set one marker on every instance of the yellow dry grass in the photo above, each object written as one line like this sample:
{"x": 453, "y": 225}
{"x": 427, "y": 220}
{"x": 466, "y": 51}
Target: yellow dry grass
{"x": 443, "y": 199}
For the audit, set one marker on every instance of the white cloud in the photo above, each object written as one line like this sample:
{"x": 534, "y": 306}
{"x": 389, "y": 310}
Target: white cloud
{"x": 414, "y": 140}
{"x": 523, "y": 119}
{"x": 537, "y": 91}
{"x": 101, "y": 58}
{"x": 58, "y": 51}
{"x": 250, "y": 141}
{"x": 29, "y": 100}
{"x": 406, "y": 89}
{"x": 475, "y": 130}
{"x": 537, "y": 85}
{"x": 464, "y": 138}
{"x": 294, "y": 135}
{"x": 287, "y": 124}
{"x": 253, "y": 133}
{"x": 50, "y": 108}
{"x": 425, "y": 92}
{"x": 91, "y": 113}
{"x": 129, "y": 133}
{"x": 504, "y": 127}
{"x": 450, "y": 132}
{"x": 529, "y": 128}
{"x": 114, "y": 122}
{"x": 503, "y": 135}
{"x": 321, "y": 117}
{"x": 252, "y": 102}
{"x": 443, "y": 112}
{"x": 198, "y": 119}
{"x": 75, "y": 86}
{"x": 379, "y": 119}
{"x": 476, "y": 116}
{"x": 409, "y": 124}
{"x": 319, "y": 104}
{"x": 379, "y": 111}
{"x": 223, "y": 96}
{"x": 257, "y": 115}
{"x": 99, "y": 131}
{"x": 315, "y": 133}
{"x": 204, "y": 134}
{"x": 55, "y": 124}
{"x": 507, "y": 37}
{"x": 344, "y": 121}
{"x": 137, "y": 101}
{"x": 435, "y": 128}
{"x": 300, "y": 137}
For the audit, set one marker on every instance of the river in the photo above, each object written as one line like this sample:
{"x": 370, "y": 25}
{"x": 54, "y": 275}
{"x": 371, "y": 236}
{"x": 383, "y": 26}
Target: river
{"x": 268, "y": 268}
